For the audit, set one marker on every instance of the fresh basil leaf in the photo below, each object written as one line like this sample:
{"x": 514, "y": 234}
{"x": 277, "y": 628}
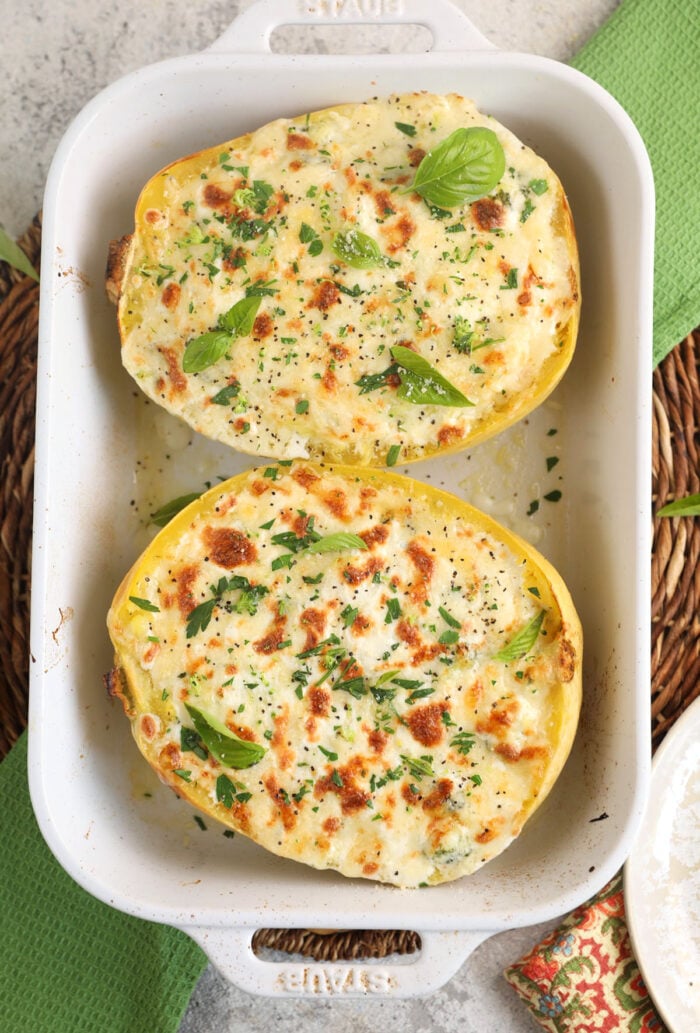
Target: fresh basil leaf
{"x": 386, "y": 676}
{"x": 382, "y": 695}
{"x": 337, "y": 543}
{"x": 449, "y": 637}
{"x": 202, "y": 352}
{"x": 164, "y": 515}
{"x": 462, "y": 168}
{"x": 523, "y": 642}
{"x": 689, "y": 506}
{"x": 144, "y": 604}
{"x": 357, "y": 249}
{"x": 12, "y": 253}
{"x": 421, "y": 383}
{"x": 240, "y": 317}
{"x": 223, "y": 744}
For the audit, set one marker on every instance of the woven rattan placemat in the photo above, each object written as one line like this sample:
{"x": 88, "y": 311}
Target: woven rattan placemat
{"x": 675, "y": 569}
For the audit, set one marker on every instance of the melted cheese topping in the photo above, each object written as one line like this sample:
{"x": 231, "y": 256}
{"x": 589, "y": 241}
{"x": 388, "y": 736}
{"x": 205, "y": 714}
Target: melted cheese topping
{"x": 400, "y": 742}
{"x": 486, "y": 293}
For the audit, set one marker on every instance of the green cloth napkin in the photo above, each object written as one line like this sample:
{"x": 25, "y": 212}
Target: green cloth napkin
{"x": 68, "y": 963}
{"x": 647, "y": 56}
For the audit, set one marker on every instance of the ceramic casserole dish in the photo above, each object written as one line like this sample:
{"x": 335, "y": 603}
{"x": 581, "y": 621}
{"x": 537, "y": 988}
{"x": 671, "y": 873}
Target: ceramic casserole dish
{"x": 106, "y": 459}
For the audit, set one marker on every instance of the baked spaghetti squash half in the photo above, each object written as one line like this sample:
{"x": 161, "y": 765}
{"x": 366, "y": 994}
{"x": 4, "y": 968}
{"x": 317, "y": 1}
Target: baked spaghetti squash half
{"x": 355, "y": 670}
{"x": 398, "y": 274}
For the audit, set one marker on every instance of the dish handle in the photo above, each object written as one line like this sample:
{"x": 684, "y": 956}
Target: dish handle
{"x": 251, "y": 31}
{"x": 440, "y": 957}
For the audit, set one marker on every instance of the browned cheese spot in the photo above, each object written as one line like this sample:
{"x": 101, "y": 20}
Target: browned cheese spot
{"x": 325, "y": 295}
{"x": 215, "y": 197}
{"x": 499, "y": 719}
{"x": 375, "y": 535}
{"x": 270, "y": 642}
{"x": 398, "y": 232}
{"x": 178, "y": 380}
{"x": 148, "y": 726}
{"x": 285, "y": 810}
{"x": 169, "y": 757}
{"x": 305, "y": 477}
{"x": 336, "y": 502}
{"x": 263, "y": 326}
{"x": 228, "y": 548}
{"x": 425, "y": 724}
{"x": 488, "y": 213}
{"x": 299, "y": 142}
{"x": 384, "y": 204}
{"x": 567, "y": 660}
{"x": 171, "y": 295}
{"x": 319, "y": 701}
{"x": 510, "y": 752}
{"x": 354, "y": 575}
{"x": 313, "y": 621}
{"x": 529, "y": 280}
{"x": 440, "y": 793}
{"x": 377, "y": 740}
{"x": 449, "y": 433}
{"x": 351, "y": 797}
{"x": 184, "y": 580}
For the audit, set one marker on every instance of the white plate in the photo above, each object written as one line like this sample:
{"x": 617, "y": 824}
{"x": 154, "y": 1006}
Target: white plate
{"x": 662, "y": 879}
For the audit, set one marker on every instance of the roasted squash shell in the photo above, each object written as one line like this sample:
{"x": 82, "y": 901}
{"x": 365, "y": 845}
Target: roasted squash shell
{"x": 486, "y": 292}
{"x": 352, "y": 668}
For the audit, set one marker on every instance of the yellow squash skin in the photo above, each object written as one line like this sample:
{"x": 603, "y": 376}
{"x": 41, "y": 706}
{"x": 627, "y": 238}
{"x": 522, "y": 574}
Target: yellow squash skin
{"x": 503, "y": 271}
{"x": 401, "y": 734}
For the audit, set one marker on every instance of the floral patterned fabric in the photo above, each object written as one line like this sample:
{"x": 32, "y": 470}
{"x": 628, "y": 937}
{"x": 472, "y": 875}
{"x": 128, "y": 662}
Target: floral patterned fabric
{"x": 583, "y": 977}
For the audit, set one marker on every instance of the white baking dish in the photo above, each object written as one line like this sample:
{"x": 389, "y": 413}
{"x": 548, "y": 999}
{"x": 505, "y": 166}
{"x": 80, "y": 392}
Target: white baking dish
{"x": 105, "y": 458}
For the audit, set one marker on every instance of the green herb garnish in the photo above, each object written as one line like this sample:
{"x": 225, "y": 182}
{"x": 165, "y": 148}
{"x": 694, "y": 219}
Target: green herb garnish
{"x": 405, "y": 127}
{"x": 463, "y": 742}
{"x": 164, "y": 515}
{"x": 144, "y": 604}
{"x": 205, "y": 350}
{"x": 198, "y": 619}
{"x": 226, "y": 395}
